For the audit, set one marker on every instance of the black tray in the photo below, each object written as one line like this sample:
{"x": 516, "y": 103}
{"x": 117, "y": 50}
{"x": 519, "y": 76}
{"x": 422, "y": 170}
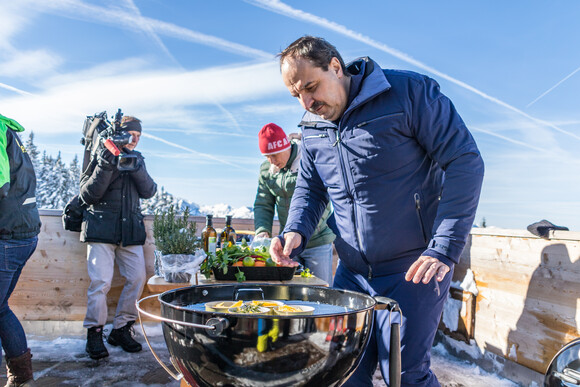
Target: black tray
{"x": 263, "y": 273}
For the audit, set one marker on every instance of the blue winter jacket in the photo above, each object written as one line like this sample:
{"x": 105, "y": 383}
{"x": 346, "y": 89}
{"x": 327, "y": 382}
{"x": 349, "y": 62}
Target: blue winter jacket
{"x": 383, "y": 167}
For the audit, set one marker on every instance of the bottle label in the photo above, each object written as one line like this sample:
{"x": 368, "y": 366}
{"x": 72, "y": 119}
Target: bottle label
{"x": 211, "y": 245}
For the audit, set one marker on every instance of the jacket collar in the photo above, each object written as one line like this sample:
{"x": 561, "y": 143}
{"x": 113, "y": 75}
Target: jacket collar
{"x": 374, "y": 83}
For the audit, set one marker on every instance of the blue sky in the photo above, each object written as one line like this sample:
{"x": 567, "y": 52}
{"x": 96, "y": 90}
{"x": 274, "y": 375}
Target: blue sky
{"x": 203, "y": 78}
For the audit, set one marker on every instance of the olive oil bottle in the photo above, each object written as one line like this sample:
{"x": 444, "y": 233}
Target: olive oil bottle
{"x": 228, "y": 233}
{"x": 209, "y": 236}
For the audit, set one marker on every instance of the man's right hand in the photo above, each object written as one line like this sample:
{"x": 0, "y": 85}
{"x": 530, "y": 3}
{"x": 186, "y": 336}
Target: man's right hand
{"x": 281, "y": 254}
{"x": 263, "y": 234}
{"x": 106, "y": 157}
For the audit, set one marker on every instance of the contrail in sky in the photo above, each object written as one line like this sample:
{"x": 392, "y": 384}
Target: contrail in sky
{"x": 524, "y": 144}
{"x": 207, "y": 156}
{"x": 147, "y": 29}
{"x": 553, "y": 87}
{"x": 82, "y": 11}
{"x": 11, "y": 88}
{"x": 284, "y": 9}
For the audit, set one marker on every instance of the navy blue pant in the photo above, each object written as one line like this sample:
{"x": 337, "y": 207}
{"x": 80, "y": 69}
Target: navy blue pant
{"x": 421, "y": 309}
{"x": 14, "y": 254}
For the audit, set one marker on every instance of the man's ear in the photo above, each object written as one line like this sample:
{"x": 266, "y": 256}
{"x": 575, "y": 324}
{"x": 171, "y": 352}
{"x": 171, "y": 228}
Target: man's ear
{"x": 335, "y": 67}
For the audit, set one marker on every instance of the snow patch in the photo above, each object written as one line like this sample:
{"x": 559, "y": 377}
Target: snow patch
{"x": 451, "y": 312}
{"x": 468, "y": 283}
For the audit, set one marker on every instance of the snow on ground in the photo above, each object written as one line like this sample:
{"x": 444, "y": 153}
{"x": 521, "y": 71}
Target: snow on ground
{"x": 62, "y": 361}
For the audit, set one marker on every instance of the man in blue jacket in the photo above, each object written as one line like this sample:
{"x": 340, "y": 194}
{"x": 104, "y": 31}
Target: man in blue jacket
{"x": 404, "y": 176}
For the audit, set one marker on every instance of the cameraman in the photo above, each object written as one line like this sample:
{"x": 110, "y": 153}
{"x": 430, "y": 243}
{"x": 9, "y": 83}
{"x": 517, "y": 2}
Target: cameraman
{"x": 114, "y": 229}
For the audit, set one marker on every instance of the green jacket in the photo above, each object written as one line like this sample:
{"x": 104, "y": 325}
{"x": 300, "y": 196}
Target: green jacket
{"x": 18, "y": 213}
{"x": 275, "y": 189}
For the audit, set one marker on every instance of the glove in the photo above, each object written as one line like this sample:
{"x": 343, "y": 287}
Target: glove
{"x": 106, "y": 158}
{"x": 133, "y": 158}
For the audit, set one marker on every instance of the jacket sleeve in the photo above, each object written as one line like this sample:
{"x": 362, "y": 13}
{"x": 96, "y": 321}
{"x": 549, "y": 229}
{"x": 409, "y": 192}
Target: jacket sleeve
{"x": 145, "y": 185}
{"x": 442, "y": 133}
{"x": 264, "y": 208}
{"x": 4, "y": 162}
{"x": 308, "y": 201}
{"x": 95, "y": 183}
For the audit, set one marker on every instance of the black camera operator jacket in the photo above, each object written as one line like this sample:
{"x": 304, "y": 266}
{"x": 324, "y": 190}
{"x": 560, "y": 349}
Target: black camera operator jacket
{"x": 114, "y": 214}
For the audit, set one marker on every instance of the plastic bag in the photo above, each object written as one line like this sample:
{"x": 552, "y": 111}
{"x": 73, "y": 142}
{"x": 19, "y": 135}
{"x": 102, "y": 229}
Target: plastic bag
{"x": 180, "y": 267}
{"x": 259, "y": 242}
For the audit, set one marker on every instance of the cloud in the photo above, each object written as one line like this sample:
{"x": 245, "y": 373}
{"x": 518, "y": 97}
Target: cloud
{"x": 143, "y": 93}
{"x": 15, "y": 63}
{"x": 30, "y": 64}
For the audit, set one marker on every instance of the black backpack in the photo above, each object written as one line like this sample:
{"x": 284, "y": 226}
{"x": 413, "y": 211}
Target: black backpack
{"x": 72, "y": 215}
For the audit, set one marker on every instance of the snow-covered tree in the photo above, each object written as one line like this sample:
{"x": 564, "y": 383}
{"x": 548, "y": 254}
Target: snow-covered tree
{"x": 32, "y": 151}
{"x": 57, "y": 183}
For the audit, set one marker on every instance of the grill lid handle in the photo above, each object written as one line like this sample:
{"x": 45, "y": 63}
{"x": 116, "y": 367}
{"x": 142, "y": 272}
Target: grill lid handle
{"x": 249, "y": 294}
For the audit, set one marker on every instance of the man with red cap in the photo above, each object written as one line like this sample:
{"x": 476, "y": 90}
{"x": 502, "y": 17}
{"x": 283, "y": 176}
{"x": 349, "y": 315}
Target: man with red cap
{"x": 275, "y": 189}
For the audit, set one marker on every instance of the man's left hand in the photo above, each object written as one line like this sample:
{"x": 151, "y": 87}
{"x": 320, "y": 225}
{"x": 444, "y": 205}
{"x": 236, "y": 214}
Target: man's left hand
{"x": 424, "y": 268}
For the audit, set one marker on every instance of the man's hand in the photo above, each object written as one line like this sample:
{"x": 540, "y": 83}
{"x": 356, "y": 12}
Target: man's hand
{"x": 281, "y": 254}
{"x": 106, "y": 158}
{"x": 263, "y": 234}
{"x": 424, "y": 268}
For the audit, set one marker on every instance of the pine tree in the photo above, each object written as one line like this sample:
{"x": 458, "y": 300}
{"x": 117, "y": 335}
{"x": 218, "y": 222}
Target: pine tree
{"x": 74, "y": 173}
{"x": 32, "y": 151}
{"x": 42, "y": 184}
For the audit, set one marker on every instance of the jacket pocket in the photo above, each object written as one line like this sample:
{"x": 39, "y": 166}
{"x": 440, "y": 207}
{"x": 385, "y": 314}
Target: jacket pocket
{"x": 100, "y": 226}
{"x": 417, "y": 199}
{"x": 138, "y": 233}
{"x": 383, "y": 117}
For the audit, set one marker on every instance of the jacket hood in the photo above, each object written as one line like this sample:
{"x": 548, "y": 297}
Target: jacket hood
{"x": 12, "y": 124}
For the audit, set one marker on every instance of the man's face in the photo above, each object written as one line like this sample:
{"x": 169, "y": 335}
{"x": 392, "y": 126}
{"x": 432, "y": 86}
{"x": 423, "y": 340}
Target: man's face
{"x": 134, "y": 139}
{"x": 280, "y": 159}
{"x": 324, "y": 93}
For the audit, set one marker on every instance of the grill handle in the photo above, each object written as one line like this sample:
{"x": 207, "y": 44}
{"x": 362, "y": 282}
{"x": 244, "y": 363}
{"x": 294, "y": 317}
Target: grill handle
{"x": 216, "y": 326}
{"x": 395, "y": 339}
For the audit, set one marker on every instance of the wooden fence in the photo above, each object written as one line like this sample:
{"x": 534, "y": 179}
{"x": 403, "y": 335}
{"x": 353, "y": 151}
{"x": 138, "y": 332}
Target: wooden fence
{"x": 527, "y": 308}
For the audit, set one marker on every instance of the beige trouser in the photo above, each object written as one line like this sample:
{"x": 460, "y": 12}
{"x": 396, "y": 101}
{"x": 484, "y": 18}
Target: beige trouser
{"x": 101, "y": 264}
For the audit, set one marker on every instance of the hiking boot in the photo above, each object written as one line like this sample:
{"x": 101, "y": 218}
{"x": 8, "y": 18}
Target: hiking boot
{"x": 95, "y": 346}
{"x": 19, "y": 371}
{"x": 124, "y": 337}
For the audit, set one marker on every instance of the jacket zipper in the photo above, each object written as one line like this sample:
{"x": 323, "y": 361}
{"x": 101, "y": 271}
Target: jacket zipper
{"x": 324, "y": 135}
{"x": 378, "y": 118}
{"x": 344, "y": 176}
{"x": 417, "y": 198}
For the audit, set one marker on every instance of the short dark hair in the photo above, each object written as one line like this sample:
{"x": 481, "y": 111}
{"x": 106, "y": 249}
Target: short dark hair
{"x": 317, "y": 50}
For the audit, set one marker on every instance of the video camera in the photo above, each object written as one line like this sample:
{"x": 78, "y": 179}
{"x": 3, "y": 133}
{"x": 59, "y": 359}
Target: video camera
{"x": 98, "y": 131}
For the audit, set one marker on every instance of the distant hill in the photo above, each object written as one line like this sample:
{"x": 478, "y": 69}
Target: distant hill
{"x": 163, "y": 200}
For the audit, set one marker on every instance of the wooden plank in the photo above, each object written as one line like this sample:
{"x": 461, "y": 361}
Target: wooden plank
{"x": 529, "y": 292}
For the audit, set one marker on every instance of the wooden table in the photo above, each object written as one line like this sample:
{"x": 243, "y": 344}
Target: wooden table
{"x": 158, "y": 284}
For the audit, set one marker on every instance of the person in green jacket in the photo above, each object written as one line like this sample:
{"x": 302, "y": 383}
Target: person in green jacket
{"x": 275, "y": 189}
{"x": 19, "y": 228}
